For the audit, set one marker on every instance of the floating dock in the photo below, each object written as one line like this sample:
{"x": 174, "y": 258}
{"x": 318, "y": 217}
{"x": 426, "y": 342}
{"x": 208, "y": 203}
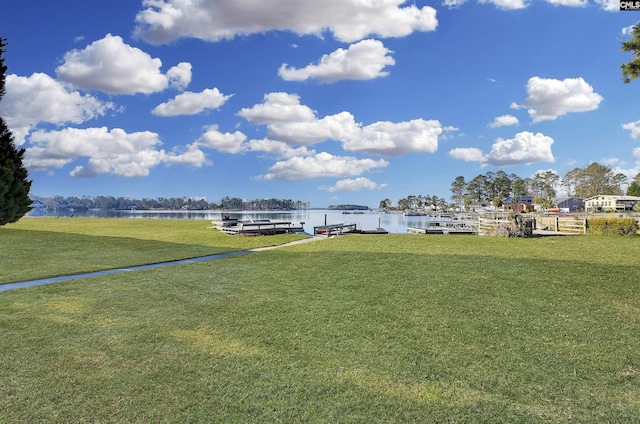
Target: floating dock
{"x": 345, "y": 228}
{"x": 447, "y": 227}
{"x": 260, "y": 227}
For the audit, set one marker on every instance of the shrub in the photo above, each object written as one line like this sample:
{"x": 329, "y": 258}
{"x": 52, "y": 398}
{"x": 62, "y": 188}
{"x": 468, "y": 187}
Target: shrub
{"x": 613, "y": 226}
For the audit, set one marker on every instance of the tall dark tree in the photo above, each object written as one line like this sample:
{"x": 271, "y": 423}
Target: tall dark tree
{"x": 458, "y": 187}
{"x": 14, "y": 182}
{"x": 631, "y": 70}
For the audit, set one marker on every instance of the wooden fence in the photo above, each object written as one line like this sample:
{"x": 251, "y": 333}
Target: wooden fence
{"x": 562, "y": 224}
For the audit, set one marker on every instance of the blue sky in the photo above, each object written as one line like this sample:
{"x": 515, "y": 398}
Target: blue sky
{"x": 325, "y": 101}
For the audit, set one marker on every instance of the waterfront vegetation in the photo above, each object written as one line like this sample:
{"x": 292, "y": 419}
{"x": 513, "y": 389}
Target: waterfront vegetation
{"x": 394, "y": 328}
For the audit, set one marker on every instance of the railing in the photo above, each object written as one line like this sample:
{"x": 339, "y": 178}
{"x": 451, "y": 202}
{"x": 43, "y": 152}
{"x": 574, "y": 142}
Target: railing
{"x": 562, "y": 224}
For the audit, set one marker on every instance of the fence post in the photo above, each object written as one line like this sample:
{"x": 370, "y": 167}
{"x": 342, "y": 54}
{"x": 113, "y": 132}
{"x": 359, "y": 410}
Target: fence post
{"x": 557, "y": 224}
{"x": 585, "y": 225}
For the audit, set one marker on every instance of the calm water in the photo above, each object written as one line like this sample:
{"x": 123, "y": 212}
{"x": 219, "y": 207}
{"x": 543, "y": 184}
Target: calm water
{"x": 394, "y": 223}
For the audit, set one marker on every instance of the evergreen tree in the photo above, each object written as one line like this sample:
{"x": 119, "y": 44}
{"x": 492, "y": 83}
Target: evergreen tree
{"x": 631, "y": 69}
{"x": 14, "y": 183}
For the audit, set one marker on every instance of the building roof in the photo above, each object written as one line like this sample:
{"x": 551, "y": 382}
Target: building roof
{"x": 613, "y": 197}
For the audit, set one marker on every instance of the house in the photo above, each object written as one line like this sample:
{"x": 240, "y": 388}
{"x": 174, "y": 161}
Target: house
{"x": 518, "y": 204}
{"x": 610, "y": 203}
{"x": 527, "y": 200}
{"x": 570, "y": 204}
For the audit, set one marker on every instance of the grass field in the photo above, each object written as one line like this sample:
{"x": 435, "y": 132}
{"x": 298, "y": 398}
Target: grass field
{"x": 36, "y": 248}
{"x": 376, "y": 329}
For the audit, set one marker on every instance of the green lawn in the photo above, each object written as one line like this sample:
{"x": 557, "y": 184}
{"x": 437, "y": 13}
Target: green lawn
{"x": 374, "y": 329}
{"x": 36, "y": 248}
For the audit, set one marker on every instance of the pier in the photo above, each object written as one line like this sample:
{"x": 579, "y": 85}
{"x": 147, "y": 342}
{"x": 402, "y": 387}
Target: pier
{"x": 262, "y": 227}
{"x": 447, "y": 227}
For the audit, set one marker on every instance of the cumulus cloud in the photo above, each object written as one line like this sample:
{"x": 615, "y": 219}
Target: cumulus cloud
{"x": 112, "y": 66}
{"x": 341, "y": 126}
{"x": 507, "y": 4}
{"x": 321, "y": 165}
{"x": 278, "y": 148}
{"x": 388, "y": 139}
{"x": 162, "y": 21}
{"x": 354, "y": 184}
{"x": 524, "y": 148}
{"x": 189, "y": 103}
{"x": 504, "y": 121}
{"x": 224, "y": 142}
{"x": 551, "y": 98}
{"x": 295, "y": 124}
{"x": 609, "y": 5}
{"x": 453, "y": 4}
{"x": 634, "y": 127}
{"x": 570, "y": 3}
{"x": 29, "y": 101}
{"x": 468, "y": 154}
{"x": 278, "y": 107}
{"x": 361, "y": 61}
{"x": 108, "y": 152}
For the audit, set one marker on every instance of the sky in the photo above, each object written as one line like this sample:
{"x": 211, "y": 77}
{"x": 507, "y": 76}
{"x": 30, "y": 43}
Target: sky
{"x": 322, "y": 101}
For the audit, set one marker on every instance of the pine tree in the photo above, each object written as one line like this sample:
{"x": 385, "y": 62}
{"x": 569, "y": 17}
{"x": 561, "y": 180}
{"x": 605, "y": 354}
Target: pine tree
{"x": 631, "y": 69}
{"x": 14, "y": 183}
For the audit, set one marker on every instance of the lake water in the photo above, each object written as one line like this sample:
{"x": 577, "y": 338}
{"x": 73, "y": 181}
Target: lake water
{"x": 393, "y": 223}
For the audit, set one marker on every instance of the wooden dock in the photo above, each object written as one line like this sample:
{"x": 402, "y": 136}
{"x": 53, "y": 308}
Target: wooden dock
{"x": 447, "y": 227}
{"x": 262, "y": 227}
{"x": 335, "y": 229}
{"x": 345, "y": 228}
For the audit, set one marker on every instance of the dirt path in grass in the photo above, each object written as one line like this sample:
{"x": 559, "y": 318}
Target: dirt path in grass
{"x": 51, "y": 280}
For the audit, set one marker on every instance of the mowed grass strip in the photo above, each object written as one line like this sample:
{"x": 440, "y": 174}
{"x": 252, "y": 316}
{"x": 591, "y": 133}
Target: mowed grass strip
{"x": 36, "y": 248}
{"x": 378, "y": 329}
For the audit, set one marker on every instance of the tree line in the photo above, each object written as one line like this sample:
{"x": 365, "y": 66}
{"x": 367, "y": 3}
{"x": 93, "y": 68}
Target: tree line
{"x": 172, "y": 203}
{"x": 493, "y": 188}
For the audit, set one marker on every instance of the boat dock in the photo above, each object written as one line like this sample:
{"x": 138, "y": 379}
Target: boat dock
{"x": 261, "y": 227}
{"x": 447, "y": 227}
{"x": 345, "y": 228}
{"x": 335, "y": 229}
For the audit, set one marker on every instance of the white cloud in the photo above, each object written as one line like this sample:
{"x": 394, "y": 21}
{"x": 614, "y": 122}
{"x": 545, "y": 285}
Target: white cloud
{"x": 627, "y": 31}
{"x": 321, "y": 165}
{"x": 115, "y": 152}
{"x": 570, "y": 3}
{"x": 162, "y": 21}
{"x": 278, "y": 107}
{"x": 189, "y": 103}
{"x": 290, "y": 122}
{"x": 507, "y": 4}
{"x": 609, "y": 5}
{"x": 468, "y": 154}
{"x": 354, "y": 184}
{"x": 224, "y": 142}
{"x": 361, "y": 61}
{"x": 634, "y": 127}
{"x": 179, "y": 76}
{"x": 453, "y": 4}
{"x": 278, "y": 148}
{"x": 341, "y": 126}
{"x": 29, "y": 101}
{"x": 524, "y": 148}
{"x": 111, "y": 66}
{"x": 388, "y": 139}
{"x": 550, "y": 98}
{"x": 504, "y": 121}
